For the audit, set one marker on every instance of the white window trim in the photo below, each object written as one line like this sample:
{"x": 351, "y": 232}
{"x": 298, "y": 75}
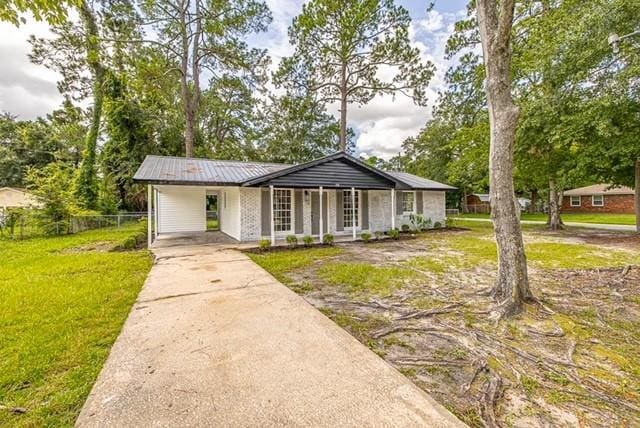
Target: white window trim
{"x": 293, "y": 212}
{"x": 593, "y": 204}
{"x": 359, "y": 193}
{"x": 579, "y": 201}
{"x": 415, "y": 202}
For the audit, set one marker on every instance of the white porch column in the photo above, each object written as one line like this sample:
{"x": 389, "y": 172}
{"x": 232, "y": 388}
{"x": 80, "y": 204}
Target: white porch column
{"x": 149, "y": 215}
{"x": 320, "y": 220}
{"x": 353, "y": 212}
{"x": 393, "y": 208}
{"x": 273, "y": 226}
{"x": 156, "y": 213}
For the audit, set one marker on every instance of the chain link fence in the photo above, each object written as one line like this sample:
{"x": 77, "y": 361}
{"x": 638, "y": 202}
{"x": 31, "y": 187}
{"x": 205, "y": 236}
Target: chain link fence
{"x": 26, "y": 223}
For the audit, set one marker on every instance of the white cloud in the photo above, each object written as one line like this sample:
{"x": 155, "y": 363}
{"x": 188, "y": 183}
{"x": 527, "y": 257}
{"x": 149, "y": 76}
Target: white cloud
{"x": 383, "y": 124}
{"x": 26, "y": 90}
{"x": 433, "y": 22}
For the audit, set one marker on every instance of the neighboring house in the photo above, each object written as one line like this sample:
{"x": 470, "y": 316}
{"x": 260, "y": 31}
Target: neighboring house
{"x": 603, "y": 198}
{"x": 14, "y": 197}
{"x": 478, "y": 203}
{"x": 268, "y": 201}
{"x": 481, "y": 203}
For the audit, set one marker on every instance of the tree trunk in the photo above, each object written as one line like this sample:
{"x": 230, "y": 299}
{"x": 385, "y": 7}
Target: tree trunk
{"x": 554, "y": 220}
{"x": 637, "y": 195}
{"x": 534, "y": 202}
{"x": 343, "y": 108}
{"x": 87, "y": 188}
{"x": 512, "y": 284}
{"x": 190, "y": 93}
{"x": 463, "y": 205}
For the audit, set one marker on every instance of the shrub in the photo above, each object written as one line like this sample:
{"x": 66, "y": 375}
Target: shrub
{"x": 366, "y": 236}
{"x": 427, "y": 224}
{"x": 292, "y": 240}
{"x": 328, "y": 239}
{"x": 12, "y": 218}
{"x": 406, "y": 228}
{"x": 394, "y": 234}
{"x": 53, "y": 186}
{"x": 265, "y": 244}
{"x": 307, "y": 240}
{"x": 437, "y": 225}
{"x": 450, "y": 222}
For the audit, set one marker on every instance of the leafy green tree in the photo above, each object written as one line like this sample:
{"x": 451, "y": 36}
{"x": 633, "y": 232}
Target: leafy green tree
{"x": 206, "y": 35}
{"x": 130, "y": 139}
{"x": 53, "y": 187}
{"x": 53, "y": 11}
{"x": 296, "y": 129}
{"x": 67, "y": 132}
{"x": 454, "y": 145}
{"x": 340, "y": 48}
{"x": 10, "y": 164}
{"x": 87, "y": 188}
{"x": 76, "y": 50}
{"x": 227, "y": 120}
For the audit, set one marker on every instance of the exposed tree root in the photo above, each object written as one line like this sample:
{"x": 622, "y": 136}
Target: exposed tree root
{"x": 490, "y": 396}
{"x": 427, "y": 313}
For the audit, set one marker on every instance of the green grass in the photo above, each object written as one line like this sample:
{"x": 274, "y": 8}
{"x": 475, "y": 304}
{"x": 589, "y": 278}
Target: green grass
{"x": 602, "y": 218}
{"x": 552, "y": 255}
{"x": 212, "y": 224}
{"x": 477, "y": 246}
{"x": 279, "y": 263}
{"x": 64, "y": 300}
{"x": 365, "y": 277}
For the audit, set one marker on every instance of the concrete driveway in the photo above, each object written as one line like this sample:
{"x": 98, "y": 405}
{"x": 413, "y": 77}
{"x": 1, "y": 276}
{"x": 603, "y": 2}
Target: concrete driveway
{"x": 214, "y": 340}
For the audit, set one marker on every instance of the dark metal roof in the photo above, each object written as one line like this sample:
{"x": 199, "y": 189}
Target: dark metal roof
{"x": 338, "y": 170}
{"x": 177, "y": 170}
{"x": 420, "y": 183}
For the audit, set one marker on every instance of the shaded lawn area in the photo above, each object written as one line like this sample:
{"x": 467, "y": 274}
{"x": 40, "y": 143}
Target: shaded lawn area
{"x": 422, "y": 305}
{"x": 603, "y": 218}
{"x": 64, "y": 300}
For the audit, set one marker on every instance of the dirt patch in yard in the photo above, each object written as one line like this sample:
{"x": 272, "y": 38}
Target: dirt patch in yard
{"x": 422, "y": 306}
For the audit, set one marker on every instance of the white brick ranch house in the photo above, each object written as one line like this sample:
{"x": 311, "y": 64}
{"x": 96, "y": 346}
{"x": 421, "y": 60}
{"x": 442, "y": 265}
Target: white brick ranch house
{"x": 270, "y": 201}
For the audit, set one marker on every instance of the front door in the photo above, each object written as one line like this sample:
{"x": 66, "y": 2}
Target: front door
{"x": 315, "y": 212}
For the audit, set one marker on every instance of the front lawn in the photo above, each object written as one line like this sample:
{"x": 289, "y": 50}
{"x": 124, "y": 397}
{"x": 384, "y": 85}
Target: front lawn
{"x": 604, "y": 218}
{"x": 64, "y": 300}
{"x": 423, "y": 306}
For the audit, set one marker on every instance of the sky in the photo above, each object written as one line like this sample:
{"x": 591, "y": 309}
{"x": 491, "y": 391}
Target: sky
{"x": 28, "y": 90}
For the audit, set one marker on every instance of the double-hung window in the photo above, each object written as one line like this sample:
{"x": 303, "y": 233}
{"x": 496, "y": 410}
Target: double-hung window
{"x": 597, "y": 200}
{"x": 409, "y": 202}
{"x": 349, "y": 219}
{"x": 575, "y": 201}
{"x": 282, "y": 210}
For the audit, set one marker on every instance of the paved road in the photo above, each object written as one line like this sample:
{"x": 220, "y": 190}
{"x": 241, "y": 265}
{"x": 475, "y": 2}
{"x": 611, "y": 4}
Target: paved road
{"x": 214, "y": 340}
{"x": 620, "y": 227}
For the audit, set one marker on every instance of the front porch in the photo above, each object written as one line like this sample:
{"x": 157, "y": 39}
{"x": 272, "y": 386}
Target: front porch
{"x": 222, "y": 240}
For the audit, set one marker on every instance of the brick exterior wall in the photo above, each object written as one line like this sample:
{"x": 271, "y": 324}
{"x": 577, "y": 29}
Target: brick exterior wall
{"x": 379, "y": 210}
{"x": 250, "y": 214}
{"x": 331, "y": 211}
{"x": 306, "y": 214}
{"x": 434, "y": 206}
{"x": 618, "y": 204}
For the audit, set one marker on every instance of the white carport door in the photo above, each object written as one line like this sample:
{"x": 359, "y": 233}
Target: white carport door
{"x": 182, "y": 209}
